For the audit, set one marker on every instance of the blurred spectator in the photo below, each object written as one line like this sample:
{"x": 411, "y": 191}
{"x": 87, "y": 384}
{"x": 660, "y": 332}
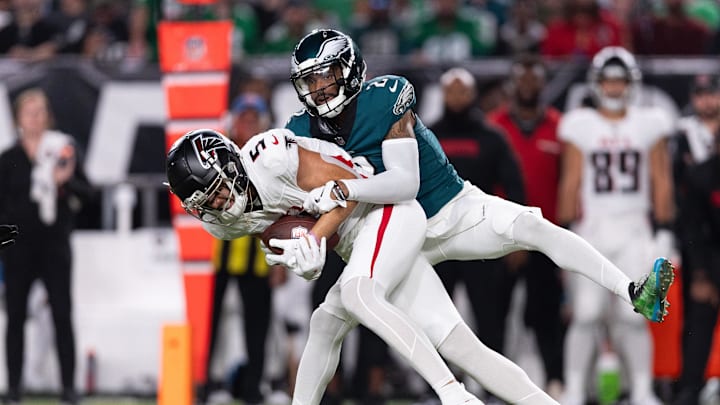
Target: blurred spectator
{"x": 522, "y": 32}
{"x": 246, "y": 32}
{"x": 142, "y": 30}
{"x": 694, "y": 144}
{"x": 42, "y": 187}
{"x": 481, "y": 155}
{"x": 613, "y": 156}
{"x": 452, "y": 33}
{"x": 335, "y": 12}
{"x": 249, "y": 116}
{"x": 531, "y": 129}
{"x": 241, "y": 260}
{"x": 30, "y": 36}
{"x": 703, "y": 300}
{"x": 109, "y": 32}
{"x": 73, "y": 24}
{"x": 582, "y": 31}
{"x": 296, "y": 21}
{"x": 673, "y": 33}
{"x": 5, "y": 13}
{"x": 375, "y": 32}
{"x": 705, "y": 11}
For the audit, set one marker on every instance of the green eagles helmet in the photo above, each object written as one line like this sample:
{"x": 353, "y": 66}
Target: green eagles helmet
{"x": 317, "y": 53}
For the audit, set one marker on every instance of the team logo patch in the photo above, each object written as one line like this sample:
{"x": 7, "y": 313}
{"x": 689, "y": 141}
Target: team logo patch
{"x": 405, "y": 99}
{"x": 205, "y": 147}
{"x": 331, "y": 48}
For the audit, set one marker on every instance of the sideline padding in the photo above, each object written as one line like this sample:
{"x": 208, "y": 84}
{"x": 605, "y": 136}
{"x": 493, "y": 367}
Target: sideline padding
{"x": 175, "y": 383}
{"x": 196, "y": 95}
{"x": 195, "y": 46}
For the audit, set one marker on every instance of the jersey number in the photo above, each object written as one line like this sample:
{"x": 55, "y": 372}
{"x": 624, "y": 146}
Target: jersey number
{"x": 256, "y": 152}
{"x": 629, "y": 161}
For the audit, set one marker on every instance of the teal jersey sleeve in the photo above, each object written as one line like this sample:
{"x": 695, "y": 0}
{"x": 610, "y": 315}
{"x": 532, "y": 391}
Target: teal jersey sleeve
{"x": 380, "y": 104}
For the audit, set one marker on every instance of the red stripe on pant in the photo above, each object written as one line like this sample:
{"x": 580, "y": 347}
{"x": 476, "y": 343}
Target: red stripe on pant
{"x": 387, "y": 211}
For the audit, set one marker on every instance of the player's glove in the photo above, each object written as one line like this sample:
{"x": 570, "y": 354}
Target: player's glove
{"x": 7, "y": 235}
{"x": 304, "y": 256}
{"x": 323, "y": 199}
{"x": 286, "y": 258}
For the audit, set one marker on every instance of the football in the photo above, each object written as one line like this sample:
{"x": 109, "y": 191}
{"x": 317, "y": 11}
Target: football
{"x": 291, "y": 227}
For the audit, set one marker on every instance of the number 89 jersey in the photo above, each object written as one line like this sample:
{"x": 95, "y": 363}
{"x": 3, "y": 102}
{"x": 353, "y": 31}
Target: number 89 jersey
{"x": 616, "y": 178}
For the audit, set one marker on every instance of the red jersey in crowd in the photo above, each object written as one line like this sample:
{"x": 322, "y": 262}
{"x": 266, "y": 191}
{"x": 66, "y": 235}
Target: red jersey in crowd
{"x": 538, "y": 153}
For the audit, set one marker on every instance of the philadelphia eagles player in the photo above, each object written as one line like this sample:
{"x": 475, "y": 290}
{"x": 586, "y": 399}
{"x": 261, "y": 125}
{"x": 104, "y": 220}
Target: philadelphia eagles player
{"x": 373, "y": 120}
{"x": 237, "y": 192}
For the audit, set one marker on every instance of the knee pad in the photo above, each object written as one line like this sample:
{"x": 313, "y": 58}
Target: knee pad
{"x": 328, "y": 326}
{"x": 359, "y": 296}
{"x": 504, "y": 220}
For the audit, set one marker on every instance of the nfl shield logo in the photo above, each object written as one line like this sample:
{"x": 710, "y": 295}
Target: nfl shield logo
{"x": 298, "y": 232}
{"x": 195, "y": 48}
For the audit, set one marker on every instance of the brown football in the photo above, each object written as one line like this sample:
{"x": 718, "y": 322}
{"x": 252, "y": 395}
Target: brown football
{"x": 291, "y": 227}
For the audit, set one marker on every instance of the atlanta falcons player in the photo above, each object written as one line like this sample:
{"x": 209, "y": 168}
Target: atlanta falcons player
{"x": 616, "y": 172}
{"x": 236, "y": 192}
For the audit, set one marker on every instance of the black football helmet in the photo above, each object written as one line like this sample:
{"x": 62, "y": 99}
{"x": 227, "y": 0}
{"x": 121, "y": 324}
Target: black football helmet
{"x": 316, "y": 53}
{"x": 198, "y": 165}
{"x": 614, "y": 62}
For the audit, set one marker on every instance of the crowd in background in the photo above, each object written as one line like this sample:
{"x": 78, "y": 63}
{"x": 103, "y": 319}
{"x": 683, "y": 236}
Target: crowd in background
{"x": 424, "y": 30}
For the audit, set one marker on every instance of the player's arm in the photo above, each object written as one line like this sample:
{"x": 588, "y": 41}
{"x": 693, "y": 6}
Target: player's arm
{"x": 570, "y": 182}
{"x": 401, "y": 179}
{"x": 314, "y": 172}
{"x": 662, "y": 183}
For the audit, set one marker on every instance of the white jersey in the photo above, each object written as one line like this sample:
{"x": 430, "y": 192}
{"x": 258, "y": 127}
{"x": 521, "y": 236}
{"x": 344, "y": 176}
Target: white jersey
{"x": 616, "y": 166}
{"x": 271, "y": 161}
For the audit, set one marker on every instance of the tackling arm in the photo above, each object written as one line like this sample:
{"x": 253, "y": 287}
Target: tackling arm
{"x": 314, "y": 172}
{"x": 570, "y": 182}
{"x": 401, "y": 179}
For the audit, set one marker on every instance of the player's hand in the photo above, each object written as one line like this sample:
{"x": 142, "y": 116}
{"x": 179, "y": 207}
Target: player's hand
{"x": 323, "y": 199}
{"x": 7, "y": 235}
{"x": 303, "y": 256}
{"x": 286, "y": 258}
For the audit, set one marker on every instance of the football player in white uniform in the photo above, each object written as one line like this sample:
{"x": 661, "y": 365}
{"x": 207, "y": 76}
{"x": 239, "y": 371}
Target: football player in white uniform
{"x": 616, "y": 174}
{"x": 237, "y": 192}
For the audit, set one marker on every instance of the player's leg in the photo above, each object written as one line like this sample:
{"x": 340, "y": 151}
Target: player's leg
{"x": 424, "y": 298}
{"x": 582, "y": 340}
{"x": 382, "y": 257}
{"x": 630, "y": 333}
{"x": 486, "y": 226}
{"x": 329, "y": 324}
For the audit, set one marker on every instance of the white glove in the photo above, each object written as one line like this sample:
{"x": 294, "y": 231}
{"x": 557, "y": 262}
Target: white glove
{"x": 274, "y": 259}
{"x": 304, "y": 256}
{"x": 320, "y": 200}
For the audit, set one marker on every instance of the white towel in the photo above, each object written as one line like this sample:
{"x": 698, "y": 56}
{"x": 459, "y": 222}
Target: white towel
{"x": 43, "y": 189}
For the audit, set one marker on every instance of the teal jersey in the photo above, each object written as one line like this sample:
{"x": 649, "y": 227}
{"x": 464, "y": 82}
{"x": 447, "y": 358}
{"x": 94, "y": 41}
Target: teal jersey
{"x": 380, "y": 104}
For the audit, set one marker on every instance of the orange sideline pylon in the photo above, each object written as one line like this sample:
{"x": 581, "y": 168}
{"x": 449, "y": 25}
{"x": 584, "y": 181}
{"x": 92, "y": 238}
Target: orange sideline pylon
{"x": 175, "y": 383}
{"x": 198, "y": 306}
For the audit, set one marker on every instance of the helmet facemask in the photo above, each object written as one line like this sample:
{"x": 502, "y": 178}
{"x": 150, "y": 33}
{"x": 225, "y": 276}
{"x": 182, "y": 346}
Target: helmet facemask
{"x": 328, "y": 108}
{"x": 614, "y": 63}
{"x": 331, "y": 56}
{"x": 237, "y": 203}
{"x": 614, "y": 103}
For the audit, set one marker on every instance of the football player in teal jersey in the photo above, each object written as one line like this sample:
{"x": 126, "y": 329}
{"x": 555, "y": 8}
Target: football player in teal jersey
{"x": 373, "y": 120}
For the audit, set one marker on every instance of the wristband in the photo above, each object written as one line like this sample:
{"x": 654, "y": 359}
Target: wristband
{"x": 338, "y": 192}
